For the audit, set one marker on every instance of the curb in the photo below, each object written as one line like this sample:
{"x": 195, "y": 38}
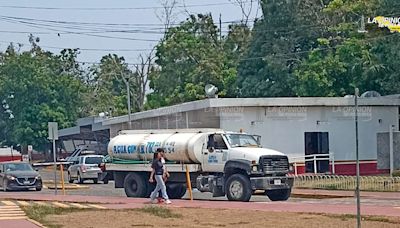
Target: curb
{"x": 36, "y": 223}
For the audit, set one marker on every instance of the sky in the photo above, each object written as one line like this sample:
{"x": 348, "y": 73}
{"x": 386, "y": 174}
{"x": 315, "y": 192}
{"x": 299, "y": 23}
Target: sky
{"x": 132, "y": 27}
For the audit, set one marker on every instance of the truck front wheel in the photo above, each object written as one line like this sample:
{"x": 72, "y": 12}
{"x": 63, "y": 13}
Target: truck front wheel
{"x": 238, "y": 188}
{"x": 135, "y": 185}
{"x": 278, "y": 194}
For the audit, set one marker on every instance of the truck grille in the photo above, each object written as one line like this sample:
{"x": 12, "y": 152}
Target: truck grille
{"x": 274, "y": 164}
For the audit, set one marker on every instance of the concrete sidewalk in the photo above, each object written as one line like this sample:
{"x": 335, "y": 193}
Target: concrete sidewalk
{"x": 123, "y": 200}
{"x": 339, "y": 193}
{"x": 287, "y": 206}
{"x": 18, "y": 223}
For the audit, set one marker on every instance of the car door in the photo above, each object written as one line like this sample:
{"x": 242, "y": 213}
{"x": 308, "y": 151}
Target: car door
{"x": 74, "y": 169}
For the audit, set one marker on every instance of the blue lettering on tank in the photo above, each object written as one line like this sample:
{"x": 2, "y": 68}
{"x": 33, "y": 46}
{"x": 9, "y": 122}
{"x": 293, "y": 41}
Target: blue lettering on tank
{"x": 142, "y": 149}
{"x": 131, "y": 149}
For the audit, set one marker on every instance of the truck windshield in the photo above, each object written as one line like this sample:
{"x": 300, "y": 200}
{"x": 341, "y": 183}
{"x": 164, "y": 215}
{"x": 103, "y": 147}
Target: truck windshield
{"x": 241, "y": 140}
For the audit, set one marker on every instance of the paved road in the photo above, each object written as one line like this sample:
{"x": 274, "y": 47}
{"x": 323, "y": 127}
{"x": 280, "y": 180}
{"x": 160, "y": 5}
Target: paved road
{"x": 109, "y": 190}
{"x": 340, "y": 202}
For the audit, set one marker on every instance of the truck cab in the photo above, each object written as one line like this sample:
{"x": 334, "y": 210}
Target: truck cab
{"x": 239, "y": 161}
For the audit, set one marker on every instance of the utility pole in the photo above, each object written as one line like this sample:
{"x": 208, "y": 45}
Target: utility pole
{"x": 357, "y": 160}
{"x": 220, "y": 28}
{"x": 53, "y": 135}
{"x": 129, "y": 102}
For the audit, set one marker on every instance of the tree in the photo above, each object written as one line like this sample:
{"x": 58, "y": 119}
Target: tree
{"x": 108, "y": 89}
{"x": 279, "y": 41}
{"x": 190, "y": 56}
{"x": 142, "y": 73}
{"x": 348, "y": 59}
{"x": 44, "y": 90}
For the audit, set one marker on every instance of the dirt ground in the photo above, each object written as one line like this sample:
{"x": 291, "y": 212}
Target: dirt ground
{"x": 189, "y": 217}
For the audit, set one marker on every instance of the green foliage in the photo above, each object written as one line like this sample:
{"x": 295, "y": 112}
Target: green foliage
{"x": 107, "y": 89}
{"x": 350, "y": 59}
{"x": 159, "y": 212}
{"x": 40, "y": 212}
{"x": 288, "y": 29}
{"x": 46, "y": 87}
{"x": 193, "y": 55}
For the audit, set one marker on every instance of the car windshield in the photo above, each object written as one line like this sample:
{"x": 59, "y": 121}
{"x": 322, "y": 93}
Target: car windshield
{"x": 18, "y": 167}
{"x": 93, "y": 160}
{"x": 241, "y": 140}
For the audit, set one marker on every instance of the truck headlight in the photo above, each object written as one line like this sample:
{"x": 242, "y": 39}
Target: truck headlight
{"x": 254, "y": 168}
{"x": 38, "y": 177}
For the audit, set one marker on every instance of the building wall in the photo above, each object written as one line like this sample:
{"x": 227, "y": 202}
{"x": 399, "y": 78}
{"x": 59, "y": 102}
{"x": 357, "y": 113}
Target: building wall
{"x": 283, "y": 128}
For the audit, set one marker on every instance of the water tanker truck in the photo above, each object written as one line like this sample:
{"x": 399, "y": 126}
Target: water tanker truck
{"x": 221, "y": 162}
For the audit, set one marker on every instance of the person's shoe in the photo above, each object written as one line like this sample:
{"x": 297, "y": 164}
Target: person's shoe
{"x": 154, "y": 201}
{"x": 167, "y": 202}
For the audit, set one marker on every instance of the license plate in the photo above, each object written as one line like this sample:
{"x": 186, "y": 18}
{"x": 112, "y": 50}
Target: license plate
{"x": 26, "y": 182}
{"x": 277, "y": 182}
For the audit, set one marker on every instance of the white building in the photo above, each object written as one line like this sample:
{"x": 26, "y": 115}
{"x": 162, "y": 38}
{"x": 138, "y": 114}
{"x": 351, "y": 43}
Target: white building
{"x": 295, "y": 126}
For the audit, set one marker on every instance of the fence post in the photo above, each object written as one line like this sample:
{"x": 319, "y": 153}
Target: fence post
{"x": 333, "y": 163}
{"x": 315, "y": 163}
{"x": 295, "y": 168}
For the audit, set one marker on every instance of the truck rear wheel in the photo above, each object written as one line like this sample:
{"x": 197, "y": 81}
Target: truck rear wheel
{"x": 238, "y": 188}
{"x": 135, "y": 185}
{"x": 278, "y": 194}
{"x": 176, "y": 191}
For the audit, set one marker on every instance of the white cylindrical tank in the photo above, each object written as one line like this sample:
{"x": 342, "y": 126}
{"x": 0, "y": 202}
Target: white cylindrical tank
{"x": 179, "y": 146}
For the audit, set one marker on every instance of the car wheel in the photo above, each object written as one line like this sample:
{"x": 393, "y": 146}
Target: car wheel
{"x": 80, "y": 179}
{"x": 238, "y": 188}
{"x": 70, "y": 180}
{"x": 38, "y": 189}
{"x": 95, "y": 181}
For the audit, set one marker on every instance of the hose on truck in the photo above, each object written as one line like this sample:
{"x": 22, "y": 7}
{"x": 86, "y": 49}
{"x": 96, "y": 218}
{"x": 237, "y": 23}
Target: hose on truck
{"x": 109, "y": 159}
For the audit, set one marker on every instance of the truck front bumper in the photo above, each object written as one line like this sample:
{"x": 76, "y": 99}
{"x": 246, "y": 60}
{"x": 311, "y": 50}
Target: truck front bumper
{"x": 271, "y": 183}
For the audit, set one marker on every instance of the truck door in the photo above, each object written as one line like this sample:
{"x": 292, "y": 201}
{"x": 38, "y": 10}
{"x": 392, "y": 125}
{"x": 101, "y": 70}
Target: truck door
{"x": 216, "y": 155}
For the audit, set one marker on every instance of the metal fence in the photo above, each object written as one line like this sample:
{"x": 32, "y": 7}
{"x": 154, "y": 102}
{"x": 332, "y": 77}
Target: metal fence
{"x": 314, "y": 158}
{"x": 338, "y": 182}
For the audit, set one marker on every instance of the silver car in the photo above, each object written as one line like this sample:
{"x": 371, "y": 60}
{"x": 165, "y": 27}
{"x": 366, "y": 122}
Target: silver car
{"x": 85, "y": 168}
